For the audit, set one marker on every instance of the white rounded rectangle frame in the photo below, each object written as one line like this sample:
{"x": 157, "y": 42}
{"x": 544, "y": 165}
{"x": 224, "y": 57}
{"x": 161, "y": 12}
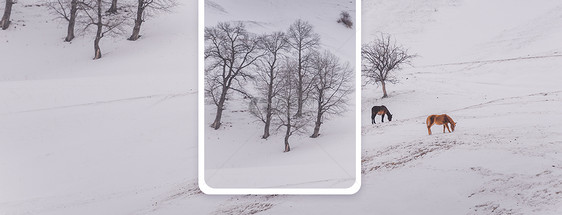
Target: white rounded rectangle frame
{"x": 205, "y": 188}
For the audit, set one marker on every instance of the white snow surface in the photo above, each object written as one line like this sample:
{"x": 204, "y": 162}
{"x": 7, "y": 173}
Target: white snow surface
{"x": 118, "y": 136}
{"x": 493, "y": 66}
{"x": 236, "y": 156}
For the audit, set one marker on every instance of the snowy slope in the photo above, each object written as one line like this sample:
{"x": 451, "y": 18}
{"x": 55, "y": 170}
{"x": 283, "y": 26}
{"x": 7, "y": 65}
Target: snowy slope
{"x": 103, "y": 136}
{"x": 104, "y": 139}
{"x": 494, "y": 68}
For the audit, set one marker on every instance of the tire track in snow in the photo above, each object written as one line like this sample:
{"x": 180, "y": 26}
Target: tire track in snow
{"x": 491, "y": 61}
{"x": 249, "y": 204}
{"x": 400, "y": 155}
{"x": 163, "y": 96}
{"x": 71, "y": 201}
{"x": 538, "y": 192}
{"x": 176, "y": 193}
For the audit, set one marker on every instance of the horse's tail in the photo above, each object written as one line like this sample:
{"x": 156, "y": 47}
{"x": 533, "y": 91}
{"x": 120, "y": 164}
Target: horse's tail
{"x": 430, "y": 120}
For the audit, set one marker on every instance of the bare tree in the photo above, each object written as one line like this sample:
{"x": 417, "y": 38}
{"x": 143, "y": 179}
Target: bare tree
{"x": 152, "y": 6}
{"x": 113, "y": 7}
{"x": 267, "y": 81}
{"x": 332, "y": 86}
{"x": 104, "y": 24}
{"x": 286, "y": 104}
{"x": 303, "y": 41}
{"x": 5, "y": 22}
{"x": 380, "y": 59}
{"x": 68, "y": 10}
{"x": 229, "y": 51}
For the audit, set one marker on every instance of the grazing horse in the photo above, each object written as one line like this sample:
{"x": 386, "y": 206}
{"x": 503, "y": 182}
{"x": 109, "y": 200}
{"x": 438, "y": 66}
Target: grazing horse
{"x": 380, "y": 110}
{"x": 442, "y": 119}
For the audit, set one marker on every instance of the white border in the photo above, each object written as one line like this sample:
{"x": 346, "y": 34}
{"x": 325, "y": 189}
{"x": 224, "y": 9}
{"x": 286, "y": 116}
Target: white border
{"x": 295, "y": 191}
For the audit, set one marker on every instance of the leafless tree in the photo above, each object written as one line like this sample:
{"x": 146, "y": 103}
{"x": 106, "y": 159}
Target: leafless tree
{"x": 302, "y": 39}
{"x": 5, "y": 22}
{"x": 332, "y": 86}
{"x": 380, "y": 59}
{"x": 229, "y": 51}
{"x": 267, "y": 81}
{"x": 146, "y": 8}
{"x": 286, "y": 104}
{"x": 113, "y": 7}
{"x": 68, "y": 10}
{"x": 104, "y": 24}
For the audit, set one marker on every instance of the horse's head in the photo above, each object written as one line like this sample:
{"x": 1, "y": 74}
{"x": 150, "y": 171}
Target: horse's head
{"x": 453, "y": 125}
{"x": 389, "y": 117}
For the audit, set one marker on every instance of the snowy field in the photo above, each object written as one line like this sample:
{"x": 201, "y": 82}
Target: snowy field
{"x": 118, "y": 135}
{"x": 494, "y": 67}
{"x": 236, "y": 156}
{"x": 110, "y": 136}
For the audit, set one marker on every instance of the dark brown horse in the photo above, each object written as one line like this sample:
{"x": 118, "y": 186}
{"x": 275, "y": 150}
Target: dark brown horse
{"x": 442, "y": 119}
{"x": 380, "y": 110}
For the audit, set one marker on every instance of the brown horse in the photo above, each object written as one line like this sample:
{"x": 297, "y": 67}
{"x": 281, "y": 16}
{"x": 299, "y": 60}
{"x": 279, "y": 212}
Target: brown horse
{"x": 380, "y": 110}
{"x": 442, "y": 119}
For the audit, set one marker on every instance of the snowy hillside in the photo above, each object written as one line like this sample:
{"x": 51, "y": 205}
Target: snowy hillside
{"x": 494, "y": 68}
{"x": 105, "y": 136}
{"x": 84, "y": 137}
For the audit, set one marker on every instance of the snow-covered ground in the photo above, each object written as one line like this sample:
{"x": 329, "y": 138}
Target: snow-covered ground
{"x": 493, "y": 66}
{"x": 106, "y": 136}
{"x": 236, "y": 156}
{"x": 84, "y": 137}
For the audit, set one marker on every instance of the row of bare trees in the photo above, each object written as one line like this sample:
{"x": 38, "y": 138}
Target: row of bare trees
{"x": 294, "y": 82}
{"x": 104, "y": 17}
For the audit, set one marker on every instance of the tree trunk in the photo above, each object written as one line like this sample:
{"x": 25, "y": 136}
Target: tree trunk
{"x": 269, "y": 109}
{"x": 99, "y": 34}
{"x": 318, "y": 121}
{"x": 71, "y": 21}
{"x": 97, "y": 50}
{"x": 266, "y": 128}
{"x": 384, "y": 89}
{"x": 299, "y": 87}
{"x": 5, "y": 23}
{"x": 287, "y": 135}
{"x": 217, "y": 123}
{"x": 267, "y": 120}
{"x": 138, "y": 21}
{"x": 288, "y": 132}
{"x": 113, "y": 8}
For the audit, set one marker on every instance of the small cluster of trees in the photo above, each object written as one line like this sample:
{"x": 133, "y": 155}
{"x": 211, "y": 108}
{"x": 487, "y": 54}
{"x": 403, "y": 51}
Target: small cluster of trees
{"x": 105, "y": 17}
{"x": 295, "y": 83}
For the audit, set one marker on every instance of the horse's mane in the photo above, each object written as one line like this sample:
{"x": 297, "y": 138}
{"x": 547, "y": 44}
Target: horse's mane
{"x": 386, "y": 110}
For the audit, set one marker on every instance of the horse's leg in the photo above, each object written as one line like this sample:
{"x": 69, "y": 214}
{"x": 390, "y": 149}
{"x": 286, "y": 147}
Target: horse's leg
{"x": 447, "y": 128}
{"x": 429, "y": 129}
{"x": 382, "y": 119}
{"x": 373, "y": 118}
{"x": 444, "y": 127}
